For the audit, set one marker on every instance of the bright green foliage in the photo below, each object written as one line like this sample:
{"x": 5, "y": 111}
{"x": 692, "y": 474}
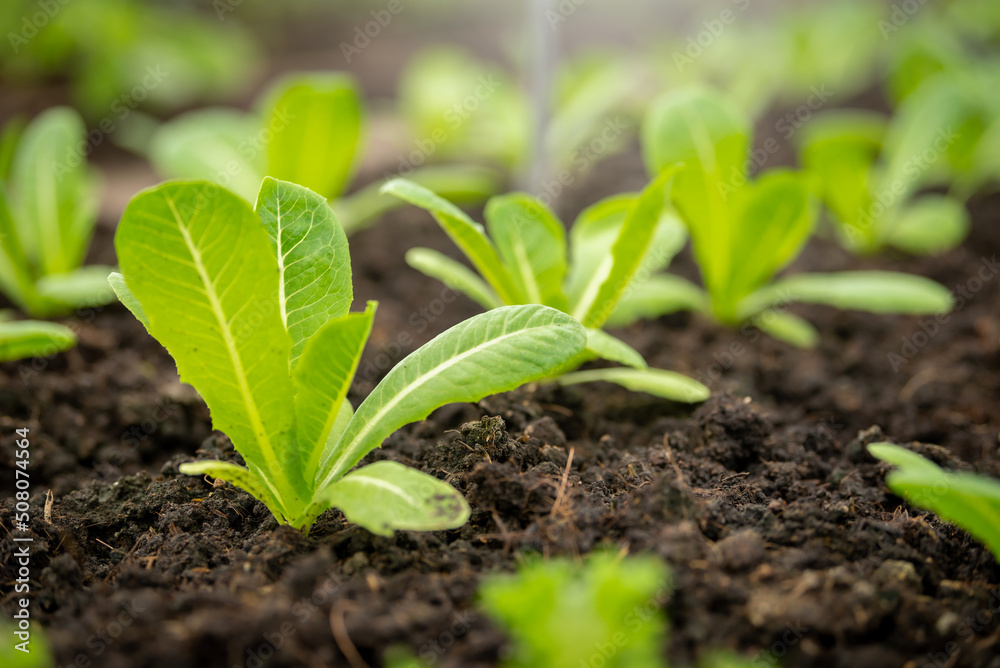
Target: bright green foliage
{"x": 937, "y": 74}
{"x": 790, "y": 55}
{"x": 33, "y": 338}
{"x": 868, "y": 173}
{"x": 744, "y": 232}
{"x": 48, "y": 208}
{"x": 118, "y": 54}
{"x": 306, "y": 129}
{"x": 38, "y": 654}
{"x": 470, "y": 109}
{"x": 253, "y": 306}
{"x": 524, "y": 260}
{"x": 971, "y": 501}
{"x": 560, "y": 614}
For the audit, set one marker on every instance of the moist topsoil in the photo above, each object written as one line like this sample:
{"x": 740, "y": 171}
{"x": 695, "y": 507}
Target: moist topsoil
{"x": 784, "y": 542}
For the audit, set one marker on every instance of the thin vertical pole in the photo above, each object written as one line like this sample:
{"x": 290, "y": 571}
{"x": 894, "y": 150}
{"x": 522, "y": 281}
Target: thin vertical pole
{"x": 539, "y": 68}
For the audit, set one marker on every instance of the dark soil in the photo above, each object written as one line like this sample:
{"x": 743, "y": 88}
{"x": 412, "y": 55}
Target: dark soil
{"x": 784, "y": 541}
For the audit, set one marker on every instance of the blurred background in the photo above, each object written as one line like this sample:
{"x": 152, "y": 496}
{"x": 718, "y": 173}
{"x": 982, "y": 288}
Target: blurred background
{"x": 525, "y": 88}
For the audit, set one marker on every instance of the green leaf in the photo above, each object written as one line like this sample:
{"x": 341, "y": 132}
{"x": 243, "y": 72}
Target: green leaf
{"x": 695, "y": 126}
{"x": 489, "y": 353}
{"x": 407, "y": 500}
{"x": 905, "y": 459}
{"x": 221, "y": 145}
{"x": 968, "y": 500}
{"x": 315, "y": 120}
{"x": 15, "y": 281}
{"x": 606, "y": 347}
{"x": 772, "y": 218}
{"x": 786, "y": 327}
{"x": 532, "y": 243}
{"x": 238, "y": 476}
{"x": 700, "y": 200}
{"x": 85, "y": 287}
{"x": 924, "y": 126}
{"x": 323, "y": 378}
{"x": 126, "y": 297}
{"x": 464, "y": 183}
{"x": 313, "y": 259}
{"x": 593, "y": 234}
{"x": 658, "y": 382}
{"x": 53, "y": 191}
{"x": 200, "y": 263}
{"x": 660, "y": 295}
{"x": 468, "y": 235}
{"x": 10, "y": 135}
{"x": 874, "y": 291}
{"x": 839, "y": 151}
{"x": 930, "y": 224}
{"x": 453, "y": 274}
{"x": 611, "y": 279}
{"x": 30, "y": 338}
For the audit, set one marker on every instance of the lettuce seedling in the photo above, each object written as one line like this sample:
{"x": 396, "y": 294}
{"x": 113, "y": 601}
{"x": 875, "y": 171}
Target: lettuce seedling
{"x": 48, "y": 209}
{"x": 561, "y": 614}
{"x": 20, "y": 339}
{"x": 253, "y": 306}
{"x": 968, "y": 500}
{"x": 744, "y": 232}
{"x": 868, "y": 171}
{"x": 306, "y": 129}
{"x": 524, "y": 261}
{"x": 467, "y": 109}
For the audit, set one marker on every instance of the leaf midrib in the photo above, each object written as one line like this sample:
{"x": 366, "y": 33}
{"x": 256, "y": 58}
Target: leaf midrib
{"x": 386, "y": 408}
{"x": 263, "y": 440}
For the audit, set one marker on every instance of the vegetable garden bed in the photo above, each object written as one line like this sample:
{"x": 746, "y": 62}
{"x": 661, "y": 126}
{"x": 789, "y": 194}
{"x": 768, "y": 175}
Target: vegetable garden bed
{"x": 783, "y": 539}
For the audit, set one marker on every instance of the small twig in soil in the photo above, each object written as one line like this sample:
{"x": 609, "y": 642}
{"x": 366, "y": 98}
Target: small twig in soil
{"x": 673, "y": 462}
{"x": 47, "y": 513}
{"x": 338, "y": 625}
{"x": 562, "y": 484}
{"x": 553, "y": 408}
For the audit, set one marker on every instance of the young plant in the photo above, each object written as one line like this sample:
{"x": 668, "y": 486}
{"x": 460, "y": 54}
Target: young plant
{"x": 253, "y": 306}
{"x": 20, "y": 339}
{"x": 48, "y": 208}
{"x": 744, "y": 232}
{"x": 306, "y": 129}
{"x": 524, "y": 261}
{"x": 868, "y": 172}
{"x": 467, "y": 109}
{"x": 968, "y": 500}
{"x": 561, "y": 614}
{"x": 115, "y": 55}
